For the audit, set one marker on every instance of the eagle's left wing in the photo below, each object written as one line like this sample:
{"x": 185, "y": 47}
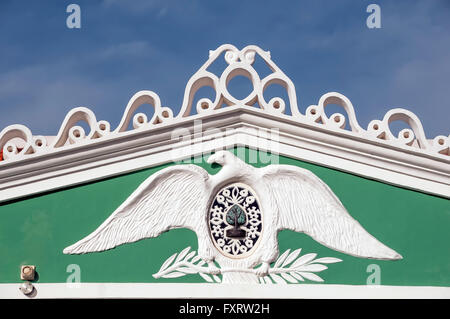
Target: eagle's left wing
{"x": 306, "y": 204}
{"x": 174, "y": 197}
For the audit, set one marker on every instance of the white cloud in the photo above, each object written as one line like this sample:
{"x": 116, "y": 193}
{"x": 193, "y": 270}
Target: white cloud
{"x": 136, "y": 6}
{"x": 127, "y": 50}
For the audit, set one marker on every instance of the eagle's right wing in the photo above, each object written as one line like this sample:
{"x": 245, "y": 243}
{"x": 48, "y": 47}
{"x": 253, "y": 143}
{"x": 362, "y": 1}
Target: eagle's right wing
{"x": 306, "y": 204}
{"x": 174, "y": 197}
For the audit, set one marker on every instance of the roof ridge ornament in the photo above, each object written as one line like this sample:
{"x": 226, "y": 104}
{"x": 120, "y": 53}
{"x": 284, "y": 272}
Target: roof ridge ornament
{"x": 240, "y": 62}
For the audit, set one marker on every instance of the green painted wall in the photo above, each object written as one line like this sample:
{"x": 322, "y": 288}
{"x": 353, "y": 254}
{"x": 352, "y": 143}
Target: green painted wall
{"x": 35, "y": 230}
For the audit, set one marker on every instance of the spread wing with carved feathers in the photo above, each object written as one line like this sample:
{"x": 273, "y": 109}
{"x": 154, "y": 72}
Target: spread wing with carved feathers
{"x": 175, "y": 197}
{"x": 306, "y": 204}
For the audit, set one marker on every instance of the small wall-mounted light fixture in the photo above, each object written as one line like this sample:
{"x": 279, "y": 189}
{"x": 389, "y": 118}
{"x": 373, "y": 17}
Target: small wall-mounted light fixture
{"x": 26, "y": 288}
{"x": 27, "y": 272}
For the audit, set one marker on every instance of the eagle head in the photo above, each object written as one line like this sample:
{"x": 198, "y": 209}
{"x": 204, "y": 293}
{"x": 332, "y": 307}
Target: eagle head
{"x": 221, "y": 157}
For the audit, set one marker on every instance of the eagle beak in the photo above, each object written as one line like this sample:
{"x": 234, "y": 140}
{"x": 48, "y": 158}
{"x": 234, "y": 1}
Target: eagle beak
{"x": 211, "y": 159}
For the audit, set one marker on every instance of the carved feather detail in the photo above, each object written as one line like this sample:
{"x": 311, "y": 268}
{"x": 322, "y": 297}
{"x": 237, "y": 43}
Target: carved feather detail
{"x": 172, "y": 198}
{"x": 307, "y": 205}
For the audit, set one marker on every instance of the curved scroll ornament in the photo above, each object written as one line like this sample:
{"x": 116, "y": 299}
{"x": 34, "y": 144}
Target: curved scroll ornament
{"x": 380, "y": 129}
{"x": 72, "y": 134}
{"x": 16, "y": 132}
{"x": 161, "y": 115}
{"x": 17, "y": 141}
{"x": 239, "y": 63}
{"x": 316, "y": 113}
{"x": 441, "y": 144}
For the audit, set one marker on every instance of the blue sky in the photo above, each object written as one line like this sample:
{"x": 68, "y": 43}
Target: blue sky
{"x": 122, "y": 47}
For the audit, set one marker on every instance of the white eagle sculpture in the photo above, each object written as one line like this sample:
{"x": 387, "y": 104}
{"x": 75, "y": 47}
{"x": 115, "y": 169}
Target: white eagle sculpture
{"x": 186, "y": 196}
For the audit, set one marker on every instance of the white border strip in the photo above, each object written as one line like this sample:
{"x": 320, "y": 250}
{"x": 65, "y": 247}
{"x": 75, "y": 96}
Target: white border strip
{"x": 217, "y": 291}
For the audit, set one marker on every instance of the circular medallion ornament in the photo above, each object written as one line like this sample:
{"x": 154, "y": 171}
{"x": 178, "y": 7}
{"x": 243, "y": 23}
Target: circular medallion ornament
{"x": 235, "y": 220}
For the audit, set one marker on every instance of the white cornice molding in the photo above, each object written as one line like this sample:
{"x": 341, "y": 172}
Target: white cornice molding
{"x": 74, "y": 156}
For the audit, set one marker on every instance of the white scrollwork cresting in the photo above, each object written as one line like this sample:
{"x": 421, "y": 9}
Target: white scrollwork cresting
{"x": 240, "y": 63}
{"x": 70, "y": 133}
